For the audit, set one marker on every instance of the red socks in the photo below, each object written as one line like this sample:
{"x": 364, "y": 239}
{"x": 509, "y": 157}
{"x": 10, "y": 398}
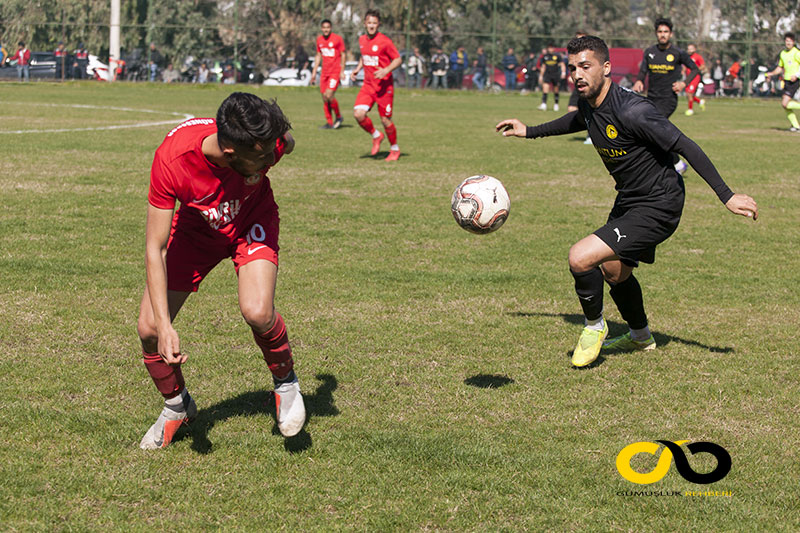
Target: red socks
{"x": 168, "y": 378}
{"x": 274, "y": 345}
{"x": 335, "y": 108}
{"x": 367, "y": 125}
{"x": 391, "y": 134}
{"x": 327, "y": 109}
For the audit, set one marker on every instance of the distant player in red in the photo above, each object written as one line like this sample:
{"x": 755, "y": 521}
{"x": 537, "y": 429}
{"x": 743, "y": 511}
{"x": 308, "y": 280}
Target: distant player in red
{"x": 217, "y": 170}
{"x": 330, "y": 52}
{"x": 379, "y": 57}
{"x": 691, "y": 85}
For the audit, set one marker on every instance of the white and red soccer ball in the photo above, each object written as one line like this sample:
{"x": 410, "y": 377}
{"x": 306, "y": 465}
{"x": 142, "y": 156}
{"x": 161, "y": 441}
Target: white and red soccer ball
{"x": 480, "y": 204}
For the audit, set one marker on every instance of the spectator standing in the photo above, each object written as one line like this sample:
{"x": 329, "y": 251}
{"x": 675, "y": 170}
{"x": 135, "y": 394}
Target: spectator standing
{"x": 531, "y": 72}
{"x": 718, "y": 74}
{"x": 23, "y": 58}
{"x": 439, "y": 64}
{"x": 202, "y": 73}
{"x": 300, "y": 60}
{"x": 62, "y": 58}
{"x": 735, "y": 67}
{"x": 170, "y": 74}
{"x": 415, "y": 67}
{"x": 154, "y": 60}
{"x": 80, "y": 62}
{"x": 509, "y": 69}
{"x": 479, "y": 76}
{"x": 458, "y": 65}
{"x": 3, "y": 55}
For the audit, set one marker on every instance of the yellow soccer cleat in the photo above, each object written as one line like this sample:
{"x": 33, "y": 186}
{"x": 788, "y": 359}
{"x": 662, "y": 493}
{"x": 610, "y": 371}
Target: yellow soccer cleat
{"x": 589, "y": 345}
{"x": 625, "y": 343}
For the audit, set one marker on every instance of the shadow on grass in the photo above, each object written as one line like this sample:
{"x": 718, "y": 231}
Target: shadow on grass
{"x": 262, "y": 402}
{"x": 382, "y": 155}
{"x": 617, "y": 328}
{"x": 488, "y": 381}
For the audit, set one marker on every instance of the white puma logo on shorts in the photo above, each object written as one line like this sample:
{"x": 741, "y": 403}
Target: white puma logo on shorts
{"x": 616, "y": 230}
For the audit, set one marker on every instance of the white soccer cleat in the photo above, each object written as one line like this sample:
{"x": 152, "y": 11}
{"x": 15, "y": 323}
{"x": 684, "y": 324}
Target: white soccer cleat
{"x": 161, "y": 433}
{"x": 542, "y": 107}
{"x": 555, "y": 107}
{"x": 291, "y": 411}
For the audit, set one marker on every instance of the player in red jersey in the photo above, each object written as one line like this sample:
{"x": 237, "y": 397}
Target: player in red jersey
{"x": 217, "y": 170}
{"x": 379, "y": 57}
{"x": 691, "y": 86}
{"x": 330, "y": 52}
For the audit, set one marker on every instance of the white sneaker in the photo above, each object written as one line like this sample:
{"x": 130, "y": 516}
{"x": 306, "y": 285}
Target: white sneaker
{"x": 542, "y": 107}
{"x": 291, "y": 411}
{"x": 794, "y": 130}
{"x": 167, "y": 424}
{"x": 588, "y": 140}
{"x": 555, "y": 107}
{"x": 681, "y": 166}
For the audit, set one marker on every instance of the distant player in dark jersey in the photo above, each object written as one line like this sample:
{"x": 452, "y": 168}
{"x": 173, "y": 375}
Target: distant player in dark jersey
{"x": 551, "y": 72}
{"x": 693, "y": 83}
{"x": 789, "y": 66}
{"x": 634, "y": 141}
{"x": 331, "y": 53}
{"x": 379, "y": 57}
{"x": 661, "y": 64}
{"x": 217, "y": 171}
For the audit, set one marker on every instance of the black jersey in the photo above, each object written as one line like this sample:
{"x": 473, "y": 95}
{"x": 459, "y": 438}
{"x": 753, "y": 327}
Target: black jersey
{"x": 552, "y": 64}
{"x": 664, "y": 68}
{"x": 634, "y": 141}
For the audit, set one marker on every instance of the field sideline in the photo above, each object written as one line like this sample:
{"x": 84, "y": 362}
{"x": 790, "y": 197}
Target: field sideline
{"x": 435, "y": 363}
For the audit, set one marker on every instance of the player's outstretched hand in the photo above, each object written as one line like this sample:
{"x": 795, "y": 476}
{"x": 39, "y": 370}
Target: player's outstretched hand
{"x": 511, "y": 128}
{"x": 638, "y": 86}
{"x": 169, "y": 347}
{"x": 741, "y": 204}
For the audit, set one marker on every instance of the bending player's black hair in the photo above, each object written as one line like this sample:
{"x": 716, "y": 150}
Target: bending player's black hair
{"x": 244, "y": 120}
{"x": 662, "y": 21}
{"x": 589, "y": 42}
{"x": 373, "y": 13}
{"x": 326, "y": 20}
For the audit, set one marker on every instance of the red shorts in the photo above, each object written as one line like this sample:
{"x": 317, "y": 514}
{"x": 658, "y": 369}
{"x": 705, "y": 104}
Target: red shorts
{"x": 691, "y": 87}
{"x": 383, "y": 95}
{"x": 327, "y": 82}
{"x": 191, "y": 255}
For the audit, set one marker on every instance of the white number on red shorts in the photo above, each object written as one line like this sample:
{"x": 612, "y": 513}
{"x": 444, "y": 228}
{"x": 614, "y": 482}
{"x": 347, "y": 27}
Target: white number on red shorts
{"x": 256, "y": 233}
{"x": 332, "y": 83}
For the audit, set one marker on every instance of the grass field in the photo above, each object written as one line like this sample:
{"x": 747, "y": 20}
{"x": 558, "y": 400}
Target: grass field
{"x": 435, "y": 362}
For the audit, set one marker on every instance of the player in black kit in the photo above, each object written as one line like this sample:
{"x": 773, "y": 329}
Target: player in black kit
{"x": 635, "y": 142}
{"x": 551, "y": 73}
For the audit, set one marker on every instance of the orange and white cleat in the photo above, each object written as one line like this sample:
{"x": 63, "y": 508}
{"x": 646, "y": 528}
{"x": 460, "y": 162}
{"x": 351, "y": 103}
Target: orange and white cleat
{"x": 394, "y": 155}
{"x": 376, "y": 143}
{"x": 168, "y": 422}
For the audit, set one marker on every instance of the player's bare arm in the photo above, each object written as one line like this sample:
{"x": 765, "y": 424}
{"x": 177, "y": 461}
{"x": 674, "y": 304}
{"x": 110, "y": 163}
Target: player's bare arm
{"x": 357, "y": 69}
{"x": 511, "y": 128}
{"x": 159, "y": 222}
{"x": 383, "y": 72}
{"x": 317, "y": 60}
{"x": 341, "y": 72}
{"x": 289, "y": 143}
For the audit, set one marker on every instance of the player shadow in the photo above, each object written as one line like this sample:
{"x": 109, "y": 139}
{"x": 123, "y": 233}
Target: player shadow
{"x": 262, "y": 403}
{"x": 488, "y": 381}
{"x": 382, "y": 155}
{"x": 619, "y": 328}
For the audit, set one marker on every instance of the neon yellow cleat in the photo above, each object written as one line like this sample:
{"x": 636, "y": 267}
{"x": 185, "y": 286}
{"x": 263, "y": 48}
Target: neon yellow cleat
{"x": 689, "y": 112}
{"x": 589, "y": 345}
{"x": 627, "y": 344}
{"x": 702, "y": 105}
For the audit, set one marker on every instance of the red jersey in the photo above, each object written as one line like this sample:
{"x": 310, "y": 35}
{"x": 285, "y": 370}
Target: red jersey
{"x": 22, "y": 56}
{"x": 331, "y": 50}
{"x": 698, "y": 60}
{"x": 216, "y": 202}
{"x": 377, "y": 53}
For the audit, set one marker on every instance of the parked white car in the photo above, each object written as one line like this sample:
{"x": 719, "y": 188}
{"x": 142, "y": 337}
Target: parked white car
{"x": 287, "y": 77}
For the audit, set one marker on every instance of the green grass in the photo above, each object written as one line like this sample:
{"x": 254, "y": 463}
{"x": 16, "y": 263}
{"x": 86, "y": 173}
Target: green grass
{"x": 402, "y": 327}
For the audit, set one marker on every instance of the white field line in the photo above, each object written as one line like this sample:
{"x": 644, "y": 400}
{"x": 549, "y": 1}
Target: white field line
{"x": 181, "y": 118}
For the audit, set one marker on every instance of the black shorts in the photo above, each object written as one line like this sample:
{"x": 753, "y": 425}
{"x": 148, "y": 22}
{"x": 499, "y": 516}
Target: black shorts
{"x": 634, "y": 233}
{"x": 790, "y": 87}
{"x": 665, "y": 104}
{"x": 573, "y": 99}
{"x": 553, "y": 79}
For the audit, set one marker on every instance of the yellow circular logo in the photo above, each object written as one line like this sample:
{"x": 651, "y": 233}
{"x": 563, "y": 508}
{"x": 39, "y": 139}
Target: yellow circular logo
{"x": 670, "y": 58}
{"x": 611, "y": 132}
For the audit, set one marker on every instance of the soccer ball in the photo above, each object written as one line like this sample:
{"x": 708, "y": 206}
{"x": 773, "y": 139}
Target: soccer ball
{"x": 480, "y": 204}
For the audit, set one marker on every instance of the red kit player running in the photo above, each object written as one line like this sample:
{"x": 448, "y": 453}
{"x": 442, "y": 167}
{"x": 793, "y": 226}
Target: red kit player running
{"x": 691, "y": 85}
{"x": 330, "y": 52}
{"x": 379, "y": 57}
{"x": 217, "y": 170}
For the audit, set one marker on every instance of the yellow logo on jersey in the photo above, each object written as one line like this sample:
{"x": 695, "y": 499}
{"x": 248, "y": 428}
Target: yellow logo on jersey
{"x": 611, "y": 132}
{"x": 670, "y": 58}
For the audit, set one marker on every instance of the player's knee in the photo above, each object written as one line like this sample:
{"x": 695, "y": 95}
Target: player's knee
{"x": 578, "y": 261}
{"x": 359, "y": 114}
{"x": 147, "y": 332}
{"x": 259, "y": 315}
